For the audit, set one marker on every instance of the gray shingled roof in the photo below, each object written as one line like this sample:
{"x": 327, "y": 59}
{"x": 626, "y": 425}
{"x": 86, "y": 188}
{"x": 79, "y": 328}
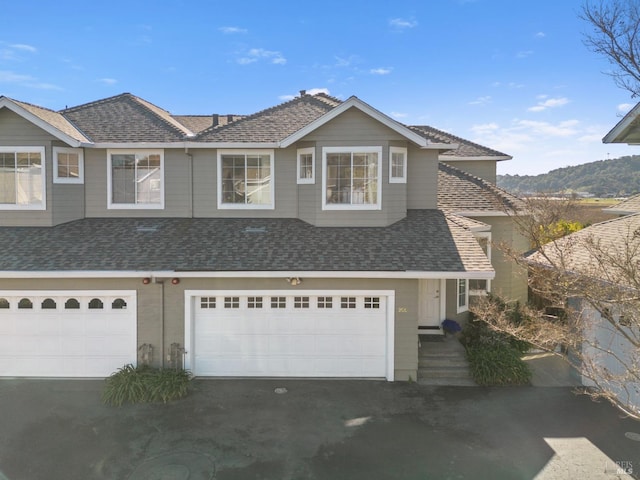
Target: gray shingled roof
{"x": 459, "y": 191}
{"x": 576, "y": 251}
{"x": 630, "y": 205}
{"x": 466, "y": 148}
{"x": 424, "y": 241}
{"x": 272, "y": 124}
{"x": 198, "y": 123}
{"x": 125, "y": 118}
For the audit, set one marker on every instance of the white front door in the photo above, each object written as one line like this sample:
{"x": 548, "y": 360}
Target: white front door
{"x": 430, "y": 306}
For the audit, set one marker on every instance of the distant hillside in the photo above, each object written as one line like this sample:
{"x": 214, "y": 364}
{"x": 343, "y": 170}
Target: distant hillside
{"x": 615, "y": 177}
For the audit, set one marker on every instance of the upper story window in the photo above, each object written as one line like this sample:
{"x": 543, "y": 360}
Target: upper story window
{"x": 245, "y": 179}
{"x": 351, "y": 178}
{"x": 22, "y": 178}
{"x": 136, "y": 179}
{"x": 306, "y": 165}
{"x": 397, "y": 165}
{"x": 68, "y": 165}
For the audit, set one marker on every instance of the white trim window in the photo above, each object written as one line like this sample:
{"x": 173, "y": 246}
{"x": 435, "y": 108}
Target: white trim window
{"x": 351, "y": 178}
{"x": 245, "y": 179}
{"x": 397, "y": 165}
{"x": 462, "y": 295}
{"x": 22, "y": 178}
{"x": 135, "y": 179}
{"x": 306, "y": 165}
{"x": 68, "y": 165}
{"x": 482, "y": 287}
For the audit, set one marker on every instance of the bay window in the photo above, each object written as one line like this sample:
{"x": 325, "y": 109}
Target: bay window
{"x": 351, "y": 178}
{"x": 22, "y": 178}
{"x": 136, "y": 179}
{"x": 245, "y": 179}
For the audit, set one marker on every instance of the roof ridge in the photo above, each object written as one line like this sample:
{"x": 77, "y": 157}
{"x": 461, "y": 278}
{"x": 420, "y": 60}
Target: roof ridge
{"x": 95, "y": 102}
{"x": 20, "y": 102}
{"x": 259, "y": 113}
{"x": 509, "y": 198}
{"x": 169, "y": 120}
{"x": 455, "y": 138}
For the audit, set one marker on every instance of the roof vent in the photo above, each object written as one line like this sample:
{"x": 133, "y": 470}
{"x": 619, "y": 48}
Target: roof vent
{"x": 303, "y": 93}
{"x": 255, "y": 230}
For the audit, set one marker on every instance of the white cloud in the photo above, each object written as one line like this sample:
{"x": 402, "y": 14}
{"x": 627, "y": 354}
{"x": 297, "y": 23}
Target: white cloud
{"x": 562, "y": 129}
{"x": 314, "y": 91}
{"x": 548, "y": 103}
{"x": 625, "y": 107}
{"x": 380, "y": 71}
{"x": 108, "y": 81}
{"x": 232, "y": 30}
{"x": 402, "y": 23}
{"x": 255, "y": 54}
{"x": 540, "y": 35}
{"x": 399, "y": 115}
{"x": 524, "y": 54}
{"x": 481, "y": 100}
{"x": 24, "y": 47}
{"x": 28, "y": 81}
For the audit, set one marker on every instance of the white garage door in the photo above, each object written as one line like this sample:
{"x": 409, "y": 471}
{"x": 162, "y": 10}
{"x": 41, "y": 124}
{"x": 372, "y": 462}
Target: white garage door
{"x": 66, "y": 334}
{"x": 303, "y": 335}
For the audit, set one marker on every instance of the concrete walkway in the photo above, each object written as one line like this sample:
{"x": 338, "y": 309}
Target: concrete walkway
{"x": 550, "y": 370}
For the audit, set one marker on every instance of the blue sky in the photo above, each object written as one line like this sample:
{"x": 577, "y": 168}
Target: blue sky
{"x": 511, "y": 75}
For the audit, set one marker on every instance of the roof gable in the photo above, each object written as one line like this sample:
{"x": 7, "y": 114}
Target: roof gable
{"x": 48, "y": 120}
{"x": 627, "y": 130}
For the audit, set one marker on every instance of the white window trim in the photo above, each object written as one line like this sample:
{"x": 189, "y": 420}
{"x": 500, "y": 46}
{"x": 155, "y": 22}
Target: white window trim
{"x": 343, "y": 206}
{"x": 465, "y": 307}
{"x": 37, "y": 206}
{"x": 306, "y": 151}
{"x": 77, "y": 151}
{"x": 246, "y": 206}
{"x": 134, "y": 206}
{"x": 487, "y": 236}
{"x": 403, "y": 151}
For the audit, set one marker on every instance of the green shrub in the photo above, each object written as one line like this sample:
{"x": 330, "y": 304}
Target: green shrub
{"x": 144, "y": 384}
{"x": 499, "y": 364}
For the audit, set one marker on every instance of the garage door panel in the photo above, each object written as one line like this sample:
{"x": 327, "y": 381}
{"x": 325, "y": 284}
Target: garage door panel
{"x": 302, "y": 342}
{"x": 66, "y": 342}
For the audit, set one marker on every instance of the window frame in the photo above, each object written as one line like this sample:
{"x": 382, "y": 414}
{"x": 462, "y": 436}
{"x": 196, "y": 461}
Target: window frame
{"x": 403, "y": 178}
{"x": 482, "y": 237}
{"x": 246, "y": 206}
{"x": 351, "y": 150}
{"x": 465, "y": 284}
{"x": 134, "y": 206}
{"x": 42, "y": 205}
{"x": 70, "y": 180}
{"x": 306, "y": 151}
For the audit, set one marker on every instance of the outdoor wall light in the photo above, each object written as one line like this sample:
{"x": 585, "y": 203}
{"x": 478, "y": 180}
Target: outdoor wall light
{"x": 146, "y": 281}
{"x": 175, "y": 281}
{"x": 294, "y": 281}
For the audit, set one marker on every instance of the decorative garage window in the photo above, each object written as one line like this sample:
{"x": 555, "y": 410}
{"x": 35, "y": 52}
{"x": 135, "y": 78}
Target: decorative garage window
{"x": 306, "y": 165}
{"x": 207, "y": 302}
{"x": 371, "y": 302}
{"x": 136, "y": 179}
{"x": 300, "y": 302}
{"x": 325, "y": 302}
{"x": 96, "y": 304}
{"x": 118, "y": 304}
{"x": 254, "y": 302}
{"x": 278, "y": 302}
{"x": 25, "y": 303}
{"x": 347, "y": 302}
{"x": 245, "y": 179}
{"x": 68, "y": 165}
{"x": 22, "y": 178}
{"x": 72, "y": 304}
{"x": 4, "y": 303}
{"x": 231, "y": 302}
{"x": 351, "y": 178}
{"x": 48, "y": 304}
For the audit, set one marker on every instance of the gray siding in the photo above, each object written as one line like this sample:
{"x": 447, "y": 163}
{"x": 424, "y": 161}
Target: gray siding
{"x": 422, "y": 179}
{"x": 177, "y": 191}
{"x": 68, "y": 202}
{"x": 16, "y": 131}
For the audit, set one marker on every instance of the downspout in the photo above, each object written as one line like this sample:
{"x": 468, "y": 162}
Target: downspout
{"x": 161, "y": 283}
{"x": 191, "y": 193}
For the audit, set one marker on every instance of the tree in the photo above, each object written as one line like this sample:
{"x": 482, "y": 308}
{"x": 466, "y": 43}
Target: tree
{"x": 586, "y": 298}
{"x": 615, "y": 26}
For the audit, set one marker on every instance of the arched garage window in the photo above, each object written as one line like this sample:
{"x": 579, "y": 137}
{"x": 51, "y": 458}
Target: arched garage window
{"x": 48, "y": 304}
{"x": 118, "y": 304}
{"x": 72, "y": 304}
{"x": 4, "y": 303}
{"x": 96, "y": 304}
{"x": 25, "y": 303}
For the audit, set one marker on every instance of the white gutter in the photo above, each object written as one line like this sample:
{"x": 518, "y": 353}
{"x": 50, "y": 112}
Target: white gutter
{"x": 248, "y": 274}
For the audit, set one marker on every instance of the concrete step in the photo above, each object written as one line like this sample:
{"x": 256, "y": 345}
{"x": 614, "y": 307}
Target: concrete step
{"x": 447, "y": 382}
{"x": 444, "y": 372}
{"x": 452, "y": 361}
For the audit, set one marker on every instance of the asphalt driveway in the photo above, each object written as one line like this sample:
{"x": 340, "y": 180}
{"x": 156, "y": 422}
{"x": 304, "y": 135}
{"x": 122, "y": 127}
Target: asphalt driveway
{"x": 243, "y": 429}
